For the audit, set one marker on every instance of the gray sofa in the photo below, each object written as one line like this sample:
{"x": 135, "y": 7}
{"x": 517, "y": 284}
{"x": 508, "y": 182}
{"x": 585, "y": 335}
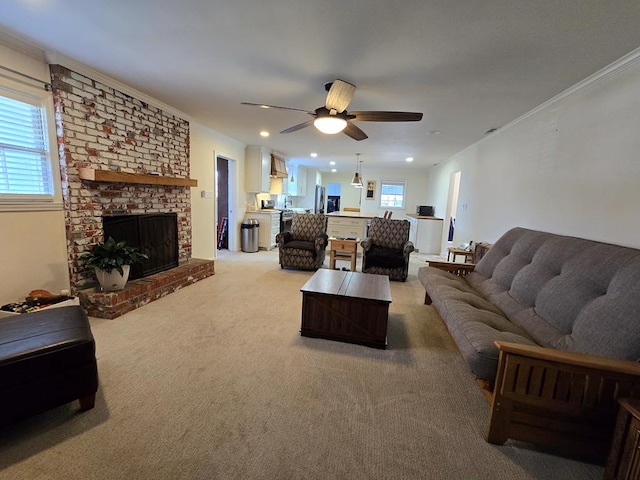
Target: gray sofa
{"x": 554, "y": 322}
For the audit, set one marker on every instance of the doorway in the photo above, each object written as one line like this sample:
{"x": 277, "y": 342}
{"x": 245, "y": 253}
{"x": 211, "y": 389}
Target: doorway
{"x": 222, "y": 202}
{"x": 334, "y": 191}
{"x": 452, "y": 208}
{"x": 226, "y": 172}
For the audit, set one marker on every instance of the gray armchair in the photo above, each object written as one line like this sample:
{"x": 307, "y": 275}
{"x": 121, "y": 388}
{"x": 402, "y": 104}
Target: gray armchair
{"x": 386, "y": 249}
{"x": 304, "y": 246}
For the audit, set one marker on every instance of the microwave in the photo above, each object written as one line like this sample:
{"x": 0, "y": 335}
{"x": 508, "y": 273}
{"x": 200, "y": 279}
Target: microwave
{"x": 425, "y": 210}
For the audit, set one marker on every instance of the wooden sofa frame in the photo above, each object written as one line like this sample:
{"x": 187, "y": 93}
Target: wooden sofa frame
{"x": 560, "y": 400}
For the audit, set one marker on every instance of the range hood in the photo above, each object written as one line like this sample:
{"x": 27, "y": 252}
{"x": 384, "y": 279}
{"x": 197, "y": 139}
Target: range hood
{"x": 278, "y": 167}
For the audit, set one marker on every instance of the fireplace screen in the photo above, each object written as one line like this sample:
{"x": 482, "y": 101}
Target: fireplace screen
{"x": 154, "y": 234}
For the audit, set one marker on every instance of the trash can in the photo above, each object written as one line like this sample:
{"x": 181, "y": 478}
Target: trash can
{"x": 249, "y": 229}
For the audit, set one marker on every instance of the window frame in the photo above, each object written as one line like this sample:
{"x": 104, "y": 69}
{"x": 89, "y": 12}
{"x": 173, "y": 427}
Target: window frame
{"x": 43, "y": 100}
{"x": 403, "y": 183}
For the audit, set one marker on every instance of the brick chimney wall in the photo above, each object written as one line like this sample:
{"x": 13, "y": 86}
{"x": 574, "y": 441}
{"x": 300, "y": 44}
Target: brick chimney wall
{"x": 101, "y": 128}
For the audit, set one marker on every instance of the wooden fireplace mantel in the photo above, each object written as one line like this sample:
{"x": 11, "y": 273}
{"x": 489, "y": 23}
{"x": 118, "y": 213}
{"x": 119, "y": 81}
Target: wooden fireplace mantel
{"x": 122, "y": 177}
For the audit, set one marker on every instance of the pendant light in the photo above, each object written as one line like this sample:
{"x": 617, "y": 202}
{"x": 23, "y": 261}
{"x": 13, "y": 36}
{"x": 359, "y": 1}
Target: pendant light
{"x": 360, "y": 183}
{"x": 292, "y": 179}
{"x": 357, "y": 181}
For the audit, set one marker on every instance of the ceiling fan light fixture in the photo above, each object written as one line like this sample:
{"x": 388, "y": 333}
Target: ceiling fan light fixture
{"x": 330, "y": 124}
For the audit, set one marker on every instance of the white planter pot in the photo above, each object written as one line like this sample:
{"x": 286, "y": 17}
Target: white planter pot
{"x": 113, "y": 281}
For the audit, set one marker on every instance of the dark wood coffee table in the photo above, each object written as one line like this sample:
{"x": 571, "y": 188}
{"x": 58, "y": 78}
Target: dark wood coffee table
{"x": 346, "y": 306}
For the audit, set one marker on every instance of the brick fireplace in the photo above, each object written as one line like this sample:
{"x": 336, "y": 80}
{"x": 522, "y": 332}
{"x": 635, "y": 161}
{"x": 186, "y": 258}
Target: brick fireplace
{"x": 120, "y": 156}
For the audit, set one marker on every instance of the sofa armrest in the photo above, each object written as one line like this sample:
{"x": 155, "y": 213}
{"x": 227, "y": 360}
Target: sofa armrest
{"x": 563, "y": 400}
{"x": 459, "y": 269}
{"x": 408, "y": 248}
{"x": 321, "y": 242}
{"x": 571, "y": 358}
{"x": 283, "y": 238}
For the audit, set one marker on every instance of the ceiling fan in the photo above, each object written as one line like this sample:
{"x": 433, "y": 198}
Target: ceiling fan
{"x": 334, "y": 118}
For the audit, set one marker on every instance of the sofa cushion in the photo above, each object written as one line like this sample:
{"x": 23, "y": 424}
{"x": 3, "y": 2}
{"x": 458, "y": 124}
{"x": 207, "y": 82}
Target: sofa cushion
{"x": 567, "y": 293}
{"x": 540, "y": 288}
{"x": 385, "y": 257}
{"x": 474, "y": 322}
{"x": 300, "y": 245}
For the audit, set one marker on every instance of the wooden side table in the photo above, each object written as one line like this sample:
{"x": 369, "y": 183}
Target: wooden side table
{"x": 346, "y": 249}
{"x": 459, "y": 251}
{"x": 624, "y": 456}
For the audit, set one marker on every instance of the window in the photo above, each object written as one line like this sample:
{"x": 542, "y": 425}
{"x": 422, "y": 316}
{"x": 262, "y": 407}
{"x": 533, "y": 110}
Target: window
{"x": 392, "y": 194}
{"x": 25, "y": 163}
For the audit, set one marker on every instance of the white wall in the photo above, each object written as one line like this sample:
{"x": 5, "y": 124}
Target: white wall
{"x": 416, "y": 191}
{"x": 33, "y": 243}
{"x": 205, "y": 145}
{"x": 571, "y": 167}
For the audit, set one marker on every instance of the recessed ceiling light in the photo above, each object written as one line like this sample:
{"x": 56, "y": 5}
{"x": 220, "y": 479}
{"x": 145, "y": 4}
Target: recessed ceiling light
{"x": 433, "y": 132}
{"x": 334, "y": 170}
{"x": 332, "y": 163}
{"x": 314, "y": 154}
{"x": 264, "y": 133}
{"x": 264, "y": 106}
{"x": 409, "y": 159}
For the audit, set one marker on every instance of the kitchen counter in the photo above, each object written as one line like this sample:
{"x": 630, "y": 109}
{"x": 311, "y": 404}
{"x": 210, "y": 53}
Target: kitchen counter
{"x": 422, "y": 217}
{"x": 352, "y": 215}
{"x": 263, "y": 210}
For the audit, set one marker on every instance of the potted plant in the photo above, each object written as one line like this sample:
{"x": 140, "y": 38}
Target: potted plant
{"x": 112, "y": 261}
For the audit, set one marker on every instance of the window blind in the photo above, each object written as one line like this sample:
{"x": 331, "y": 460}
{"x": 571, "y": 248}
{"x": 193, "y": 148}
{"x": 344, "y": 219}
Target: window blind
{"x": 25, "y": 168}
{"x": 392, "y": 194}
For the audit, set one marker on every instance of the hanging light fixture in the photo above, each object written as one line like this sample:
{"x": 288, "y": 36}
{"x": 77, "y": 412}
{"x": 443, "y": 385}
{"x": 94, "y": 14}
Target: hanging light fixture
{"x": 360, "y": 183}
{"x": 357, "y": 181}
{"x": 292, "y": 179}
{"x": 356, "y": 178}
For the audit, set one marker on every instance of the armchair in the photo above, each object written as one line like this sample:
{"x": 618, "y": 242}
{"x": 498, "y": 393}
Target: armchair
{"x": 386, "y": 249}
{"x": 304, "y": 246}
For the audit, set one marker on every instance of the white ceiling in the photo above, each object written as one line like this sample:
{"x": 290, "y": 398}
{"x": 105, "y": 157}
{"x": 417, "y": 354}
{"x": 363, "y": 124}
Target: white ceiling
{"x": 467, "y": 65}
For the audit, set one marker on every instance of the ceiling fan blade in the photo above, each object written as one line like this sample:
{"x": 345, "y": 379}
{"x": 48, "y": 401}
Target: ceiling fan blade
{"x": 300, "y": 126}
{"x": 339, "y": 96}
{"x": 387, "y": 116}
{"x": 264, "y": 105}
{"x": 354, "y": 132}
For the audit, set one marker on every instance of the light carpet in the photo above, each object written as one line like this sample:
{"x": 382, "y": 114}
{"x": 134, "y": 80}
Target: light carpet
{"x": 215, "y": 382}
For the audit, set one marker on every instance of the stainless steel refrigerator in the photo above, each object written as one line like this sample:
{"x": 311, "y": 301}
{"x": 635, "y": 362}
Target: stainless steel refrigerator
{"x": 319, "y": 205}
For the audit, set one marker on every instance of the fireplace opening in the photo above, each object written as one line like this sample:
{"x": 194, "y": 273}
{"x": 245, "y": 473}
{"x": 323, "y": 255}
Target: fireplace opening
{"x": 154, "y": 234}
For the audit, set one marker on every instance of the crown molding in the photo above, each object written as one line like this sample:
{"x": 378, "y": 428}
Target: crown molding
{"x": 81, "y": 68}
{"x": 42, "y": 54}
{"x": 21, "y": 46}
{"x": 615, "y": 68}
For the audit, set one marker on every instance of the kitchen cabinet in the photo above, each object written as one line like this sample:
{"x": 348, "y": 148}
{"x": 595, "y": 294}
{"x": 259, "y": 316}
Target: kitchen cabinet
{"x": 268, "y": 228}
{"x": 426, "y": 233}
{"x": 297, "y": 188}
{"x": 257, "y": 169}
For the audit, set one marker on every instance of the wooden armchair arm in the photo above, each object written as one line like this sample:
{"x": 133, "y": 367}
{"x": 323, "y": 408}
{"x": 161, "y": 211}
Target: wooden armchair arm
{"x": 459, "y": 269}
{"x": 571, "y": 358}
{"x": 563, "y": 400}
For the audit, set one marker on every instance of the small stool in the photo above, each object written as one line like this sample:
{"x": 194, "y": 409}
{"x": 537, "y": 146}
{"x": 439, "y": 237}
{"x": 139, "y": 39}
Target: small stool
{"x": 336, "y": 248}
{"x": 459, "y": 251}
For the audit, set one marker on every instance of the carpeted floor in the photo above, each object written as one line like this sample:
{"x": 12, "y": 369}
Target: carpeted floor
{"x": 215, "y": 382}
